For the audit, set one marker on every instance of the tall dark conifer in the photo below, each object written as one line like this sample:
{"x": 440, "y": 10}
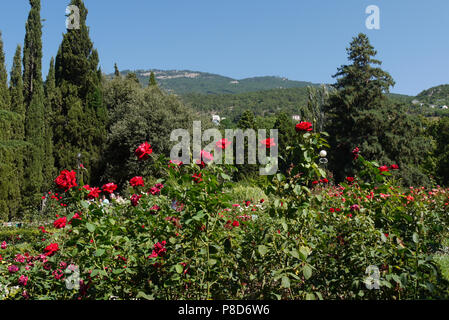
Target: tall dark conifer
{"x": 359, "y": 114}
{"x": 18, "y": 128}
{"x": 50, "y": 102}
{"x": 6, "y": 161}
{"x": 152, "y": 80}
{"x": 34, "y": 103}
{"x": 81, "y": 116}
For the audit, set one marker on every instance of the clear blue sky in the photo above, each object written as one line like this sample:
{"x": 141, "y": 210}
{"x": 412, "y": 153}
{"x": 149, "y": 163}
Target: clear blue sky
{"x": 298, "y": 39}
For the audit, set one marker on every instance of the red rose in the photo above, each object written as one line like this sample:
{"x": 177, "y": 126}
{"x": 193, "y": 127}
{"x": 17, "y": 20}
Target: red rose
{"x": 137, "y": 181}
{"x": 355, "y": 153}
{"x": 135, "y": 199}
{"x": 235, "y": 223}
{"x": 303, "y": 127}
{"x": 223, "y": 143}
{"x": 51, "y": 249}
{"x": 143, "y": 151}
{"x": 268, "y": 143}
{"x": 94, "y": 193}
{"x": 175, "y": 163}
{"x": 350, "y": 179}
{"x": 60, "y": 223}
{"x": 324, "y": 180}
{"x": 383, "y": 169}
{"x": 394, "y": 167}
{"x": 158, "y": 250}
{"x": 66, "y": 180}
{"x": 197, "y": 178}
{"x": 109, "y": 187}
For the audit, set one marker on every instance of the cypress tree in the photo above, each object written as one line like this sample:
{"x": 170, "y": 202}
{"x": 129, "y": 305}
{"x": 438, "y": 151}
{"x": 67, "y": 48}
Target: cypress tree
{"x": 152, "y": 80}
{"x": 116, "y": 71}
{"x": 34, "y": 103}
{"x": 81, "y": 116}
{"x": 5, "y": 134}
{"x": 50, "y": 102}
{"x": 18, "y": 128}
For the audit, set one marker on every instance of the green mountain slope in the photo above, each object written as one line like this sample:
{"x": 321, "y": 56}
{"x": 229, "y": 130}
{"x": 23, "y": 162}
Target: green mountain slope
{"x": 438, "y": 95}
{"x": 186, "y": 81}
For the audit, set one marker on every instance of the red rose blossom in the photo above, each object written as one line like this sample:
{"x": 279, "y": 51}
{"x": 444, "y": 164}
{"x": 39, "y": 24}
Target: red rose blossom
{"x": 60, "y": 223}
{"x": 223, "y": 143}
{"x": 137, "y": 181}
{"x": 51, "y": 249}
{"x": 66, "y": 180}
{"x": 94, "y": 193}
{"x": 268, "y": 143}
{"x": 109, "y": 187}
{"x": 143, "y": 151}
{"x": 303, "y": 127}
{"x": 135, "y": 199}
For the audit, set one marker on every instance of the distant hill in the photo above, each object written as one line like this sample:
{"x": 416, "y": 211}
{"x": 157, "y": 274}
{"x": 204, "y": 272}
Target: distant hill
{"x": 186, "y": 81}
{"x": 437, "y": 96}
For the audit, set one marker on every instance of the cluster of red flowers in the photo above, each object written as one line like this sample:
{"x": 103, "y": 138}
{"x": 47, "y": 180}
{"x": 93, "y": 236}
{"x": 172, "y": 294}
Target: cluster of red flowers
{"x": 230, "y": 224}
{"x": 386, "y": 168}
{"x": 156, "y": 189}
{"x": 143, "y": 151}
{"x": 66, "y": 180}
{"x": 51, "y": 249}
{"x": 324, "y": 180}
{"x": 60, "y": 223}
{"x": 159, "y": 250}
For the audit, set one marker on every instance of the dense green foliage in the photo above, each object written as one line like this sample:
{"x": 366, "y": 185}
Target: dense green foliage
{"x": 139, "y": 114}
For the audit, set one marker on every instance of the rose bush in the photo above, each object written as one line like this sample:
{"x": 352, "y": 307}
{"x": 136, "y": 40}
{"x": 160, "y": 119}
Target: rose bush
{"x": 183, "y": 238}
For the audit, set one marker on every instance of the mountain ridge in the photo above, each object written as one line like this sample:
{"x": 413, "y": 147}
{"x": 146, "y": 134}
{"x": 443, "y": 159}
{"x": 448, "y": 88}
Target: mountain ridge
{"x": 188, "y": 81}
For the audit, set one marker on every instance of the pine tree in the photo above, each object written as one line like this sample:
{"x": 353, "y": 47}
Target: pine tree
{"x": 359, "y": 114}
{"x": 359, "y": 99}
{"x": 152, "y": 80}
{"x": 81, "y": 117}
{"x": 34, "y": 103}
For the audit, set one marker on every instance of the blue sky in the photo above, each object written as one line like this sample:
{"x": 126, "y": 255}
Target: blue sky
{"x": 298, "y": 39}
